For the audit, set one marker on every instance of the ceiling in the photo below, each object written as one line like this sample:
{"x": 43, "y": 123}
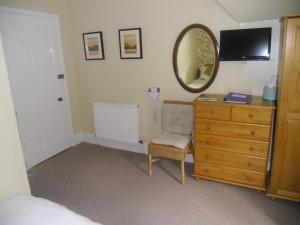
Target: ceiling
{"x": 253, "y": 10}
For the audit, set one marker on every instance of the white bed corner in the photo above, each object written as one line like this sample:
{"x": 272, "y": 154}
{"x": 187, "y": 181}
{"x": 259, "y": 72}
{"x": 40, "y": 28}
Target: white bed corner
{"x": 29, "y": 210}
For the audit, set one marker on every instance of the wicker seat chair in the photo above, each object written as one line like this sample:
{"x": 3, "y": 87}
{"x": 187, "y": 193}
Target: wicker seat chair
{"x": 175, "y": 141}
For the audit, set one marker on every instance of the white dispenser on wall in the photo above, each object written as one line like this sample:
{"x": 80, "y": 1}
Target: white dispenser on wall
{"x": 153, "y": 93}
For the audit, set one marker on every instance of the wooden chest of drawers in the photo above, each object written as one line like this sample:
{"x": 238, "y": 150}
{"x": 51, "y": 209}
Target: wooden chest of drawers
{"x": 232, "y": 141}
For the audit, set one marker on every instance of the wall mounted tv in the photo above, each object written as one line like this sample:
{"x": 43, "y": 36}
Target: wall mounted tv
{"x": 245, "y": 44}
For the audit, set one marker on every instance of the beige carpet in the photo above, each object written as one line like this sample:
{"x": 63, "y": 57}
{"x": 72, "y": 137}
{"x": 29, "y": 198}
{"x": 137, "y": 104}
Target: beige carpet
{"x": 113, "y": 188}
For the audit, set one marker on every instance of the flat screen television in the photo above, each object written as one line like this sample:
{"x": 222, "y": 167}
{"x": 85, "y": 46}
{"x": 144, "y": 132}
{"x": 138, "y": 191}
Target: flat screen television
{"x": 245, "y": 44}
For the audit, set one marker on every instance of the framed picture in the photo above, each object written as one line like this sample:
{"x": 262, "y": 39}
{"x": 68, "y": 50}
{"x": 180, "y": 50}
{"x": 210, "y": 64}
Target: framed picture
{"x": 93, "y": 46}
{"x": 130, "y": 43}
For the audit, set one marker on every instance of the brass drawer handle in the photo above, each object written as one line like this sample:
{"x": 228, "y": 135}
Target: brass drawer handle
{"x": 211, "y": 112}
{"x": 252, "y": 132}
{"x": 250, "y": 115}
{"x": 251, "y": 149}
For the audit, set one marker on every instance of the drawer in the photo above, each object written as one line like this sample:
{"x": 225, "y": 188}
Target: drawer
{"x": 251, "y": 115}
{"x": 235, "y": 145}
{"x": 252, "y": 163}
{"x": 210, "y": 111}
{"x": 230, "y": 174}
{"x": 233, "y": 129}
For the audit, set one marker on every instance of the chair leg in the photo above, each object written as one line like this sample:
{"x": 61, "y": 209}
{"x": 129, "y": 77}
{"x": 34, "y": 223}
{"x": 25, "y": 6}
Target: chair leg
{"x": 150, "y": 165}
{"x": 182, "y": 172}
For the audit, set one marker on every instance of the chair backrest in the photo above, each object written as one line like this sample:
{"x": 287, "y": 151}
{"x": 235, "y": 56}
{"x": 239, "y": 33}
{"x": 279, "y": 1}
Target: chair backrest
{"x": 177, "y": 117}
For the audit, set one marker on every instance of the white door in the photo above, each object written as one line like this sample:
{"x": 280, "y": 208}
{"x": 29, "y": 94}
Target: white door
{"x": 34, "y": 60}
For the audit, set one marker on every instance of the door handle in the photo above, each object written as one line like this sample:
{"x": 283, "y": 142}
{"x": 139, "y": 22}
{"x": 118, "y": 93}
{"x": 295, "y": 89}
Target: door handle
{"x": 60, "y": 76}
{"x": 60, "y": 99}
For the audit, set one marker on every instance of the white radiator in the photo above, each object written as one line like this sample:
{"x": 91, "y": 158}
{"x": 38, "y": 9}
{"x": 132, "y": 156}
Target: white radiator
{"x": 117, "y": 122}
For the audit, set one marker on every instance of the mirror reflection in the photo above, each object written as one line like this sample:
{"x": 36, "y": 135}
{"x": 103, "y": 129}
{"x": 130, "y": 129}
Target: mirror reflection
{"x": 195, "y": 58}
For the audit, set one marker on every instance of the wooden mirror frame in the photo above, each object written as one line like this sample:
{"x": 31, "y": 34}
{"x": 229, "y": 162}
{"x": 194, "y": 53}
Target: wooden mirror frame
{"x": 216, "y": 49}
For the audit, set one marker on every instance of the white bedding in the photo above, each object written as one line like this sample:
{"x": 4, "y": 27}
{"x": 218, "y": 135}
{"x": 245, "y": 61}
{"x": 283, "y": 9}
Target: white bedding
{"x": 28, "y": 210}
{"x": 197, "y": 83}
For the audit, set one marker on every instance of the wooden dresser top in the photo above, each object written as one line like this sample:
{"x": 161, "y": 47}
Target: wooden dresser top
{"x": 257, "y": 101}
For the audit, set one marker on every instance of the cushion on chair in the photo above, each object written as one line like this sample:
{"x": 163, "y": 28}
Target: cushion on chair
{"x": 177, "y": 118}
{"x": 177, "y": 140}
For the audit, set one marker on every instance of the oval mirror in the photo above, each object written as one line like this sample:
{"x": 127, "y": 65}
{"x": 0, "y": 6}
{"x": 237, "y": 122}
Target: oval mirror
{"x": 196, "y": 58}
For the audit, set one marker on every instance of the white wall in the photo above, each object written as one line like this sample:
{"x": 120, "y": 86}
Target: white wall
{"x": 161, "y": 21}
{"x": 13, "y": 177}
{"x": 250, "y": 76}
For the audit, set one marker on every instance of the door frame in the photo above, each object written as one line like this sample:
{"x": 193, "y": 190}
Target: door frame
{"x": 55, "y": 17}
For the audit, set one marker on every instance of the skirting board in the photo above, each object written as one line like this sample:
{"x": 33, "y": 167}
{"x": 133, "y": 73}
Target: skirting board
{"x": 132, "y": 147}
{"x": 84, "y": 137}
{"x": 92, "y": 139}
{"x": 138, "y": 148}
